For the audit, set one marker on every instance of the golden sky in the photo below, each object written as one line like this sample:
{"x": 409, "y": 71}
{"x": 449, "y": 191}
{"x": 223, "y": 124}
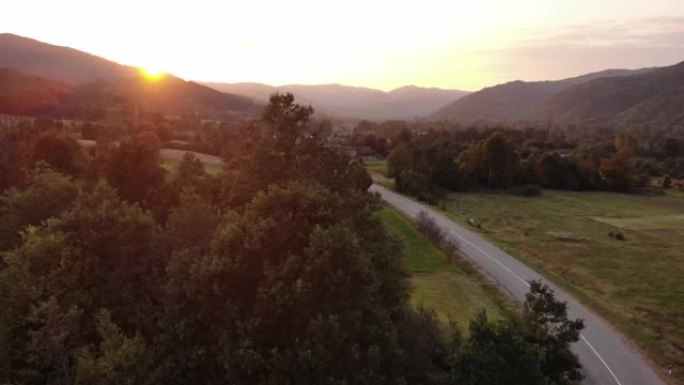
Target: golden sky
{"x": 381, "y": 44}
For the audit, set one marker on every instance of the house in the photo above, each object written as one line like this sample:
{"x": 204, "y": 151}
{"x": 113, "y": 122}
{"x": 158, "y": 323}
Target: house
{"x": 564, "y": 153}
{"x": 678, "y": 184}
{"x": 367, "y": 153}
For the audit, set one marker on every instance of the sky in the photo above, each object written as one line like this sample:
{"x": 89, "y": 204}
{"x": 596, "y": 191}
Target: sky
{"x": 381, "y": 44}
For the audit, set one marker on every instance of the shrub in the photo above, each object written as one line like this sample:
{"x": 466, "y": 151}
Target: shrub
{"x": 450, "y": 248}
{"x": 428, "y": 227}
{"x": 431, "y": 230}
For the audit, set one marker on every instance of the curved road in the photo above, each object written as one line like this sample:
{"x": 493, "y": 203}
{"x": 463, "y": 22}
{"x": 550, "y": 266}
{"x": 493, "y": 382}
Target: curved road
{"x": 605, "y": 357}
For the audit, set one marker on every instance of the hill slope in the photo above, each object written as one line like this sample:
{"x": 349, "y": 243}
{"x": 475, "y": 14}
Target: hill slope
{"x": 515, "y": 100}
{"x": 75, "y": 82}
{"x": 353, "y": 102}
{"x": 22, "y": 94}
{"x": 65, "y": 64}
{"x": 654, "y": 98}
{"x": 168, "y": 94}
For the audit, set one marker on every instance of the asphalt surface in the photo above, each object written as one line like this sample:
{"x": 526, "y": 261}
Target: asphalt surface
{"x": 606, "y": 358}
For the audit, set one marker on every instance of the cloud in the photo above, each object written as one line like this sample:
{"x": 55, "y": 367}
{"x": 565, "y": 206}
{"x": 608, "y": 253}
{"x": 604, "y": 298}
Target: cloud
{"x": 659, "y": 31}
{"x": 578, "y": 49}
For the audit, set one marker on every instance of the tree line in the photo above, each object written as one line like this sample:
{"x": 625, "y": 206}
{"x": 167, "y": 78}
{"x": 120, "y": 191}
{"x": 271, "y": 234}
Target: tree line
{"x": 426, "y": 162}
{"x": 275, "y": 271}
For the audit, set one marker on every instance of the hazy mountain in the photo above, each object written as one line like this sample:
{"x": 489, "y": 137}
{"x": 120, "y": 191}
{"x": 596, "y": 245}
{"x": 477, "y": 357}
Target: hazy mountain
{"x": 22, "y": 94}
{"x": 353, "y": 102}
{"x": 653, "y": 98}
{"x": 97, "y": 83}
{"x": 167, "y": 94}
{"x": 54, "y": 62}
{"x": 515, "y": 100}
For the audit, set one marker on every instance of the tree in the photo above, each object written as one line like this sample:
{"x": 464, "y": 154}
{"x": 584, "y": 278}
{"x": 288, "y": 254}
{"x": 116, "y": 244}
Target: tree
{"x": 529, "y": 351}
{"x": 61, "y": 152}
{"x": 299, "y": 288}
{"x": 191, "y": 224}
{"x": 546, "y": 324}
{"x": 497, "y": 354}
{"x": 100, "y": 254}
{"x": 133, "y": 167}
{"x": 289, "y": 150}
{"x": 499, "y": 160}
{"x": 287, "y": 119}
{"x": 618, "y": 170}
{"x": 399, "y": 160}
{"x": 117, "y": 359}
{"x": 46, "y": 194}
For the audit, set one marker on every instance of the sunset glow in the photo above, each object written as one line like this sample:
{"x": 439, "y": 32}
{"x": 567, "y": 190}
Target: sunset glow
{"x": 382, "y": 44}
{"x": 152, "y": 73}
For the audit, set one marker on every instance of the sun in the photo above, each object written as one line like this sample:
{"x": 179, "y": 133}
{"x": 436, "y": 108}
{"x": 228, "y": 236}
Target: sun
{"x": 152, "y": 73}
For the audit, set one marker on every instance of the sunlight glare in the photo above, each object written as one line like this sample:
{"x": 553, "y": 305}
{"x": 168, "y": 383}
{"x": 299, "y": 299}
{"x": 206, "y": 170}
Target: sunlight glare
{"x": 152, "y": 73}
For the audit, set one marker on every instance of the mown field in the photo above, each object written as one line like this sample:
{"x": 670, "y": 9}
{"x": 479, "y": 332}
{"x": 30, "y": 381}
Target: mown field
{"x": 455, "y": 291}
{"x": 636, "y": 283}
{"x": 378, "y": 166}
{"x": 171, "y": 165}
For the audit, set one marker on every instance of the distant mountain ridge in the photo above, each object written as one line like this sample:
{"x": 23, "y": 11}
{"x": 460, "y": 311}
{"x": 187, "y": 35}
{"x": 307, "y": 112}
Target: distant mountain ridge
{"x": 64, "y": 64}
{"x": 75, "y": 80}
{"x": 648, "y": 99}
{"x": 516, "y": 100}
{"x": 337, "y": 100}
{"x": 22, "y": 94}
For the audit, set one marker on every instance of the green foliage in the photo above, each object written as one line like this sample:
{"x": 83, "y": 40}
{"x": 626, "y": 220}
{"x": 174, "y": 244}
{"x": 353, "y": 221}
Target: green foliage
{"x": 191, "y": 224}
{"x": 281, "y": 276}
{"x": 133, "y": 167}
{"x": 118, "y": 359}
{"x": 290, "y": 150}
{"x": 534, "y": 350}
{"x": 399, "y": 160}
{"x": 618, "y": 171}
{"x": 497, "y": 354}
{"x": 294, "y": 290}
{"x": 46, "y": 194}
{"x": 60, "y": 152}
{"x": 499, "y": 160}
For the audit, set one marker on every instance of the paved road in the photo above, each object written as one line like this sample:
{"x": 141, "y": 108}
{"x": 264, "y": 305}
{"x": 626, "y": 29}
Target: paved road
{"x": 605, "y": 357}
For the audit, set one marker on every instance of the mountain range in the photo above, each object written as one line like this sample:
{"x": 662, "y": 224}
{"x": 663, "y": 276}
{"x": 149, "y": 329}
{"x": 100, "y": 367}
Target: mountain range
{"x": 340, "y": 101}
{"x": 44, "y": 78}
{"x": 515, "y": 100}
{"x": 36, "y": 78}
{"x": 647, "y": 99}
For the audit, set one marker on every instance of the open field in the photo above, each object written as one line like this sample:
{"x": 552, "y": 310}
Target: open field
{"x": 378, "y": 166}
{"x": 171, "y": 165}
{"x": 637, "y": 284}
{"x": 378, "y": 172}
{"x": 455, "y": 291}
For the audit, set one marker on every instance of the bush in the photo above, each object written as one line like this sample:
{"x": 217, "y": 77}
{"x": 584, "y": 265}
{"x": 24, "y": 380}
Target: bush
{"x": 450, "y": 248}
{"x": 431, "y": 230}
{"x": 428, "y": 227}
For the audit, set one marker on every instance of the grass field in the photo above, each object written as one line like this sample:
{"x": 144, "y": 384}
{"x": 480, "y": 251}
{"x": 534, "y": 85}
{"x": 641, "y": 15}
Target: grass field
{"x": 454, "y": 291}
{"x": 171, "y": 165}
{"x": 378, "y": 166}
{"x": 378, "y": 172}
{"x": 637, "y": 284}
